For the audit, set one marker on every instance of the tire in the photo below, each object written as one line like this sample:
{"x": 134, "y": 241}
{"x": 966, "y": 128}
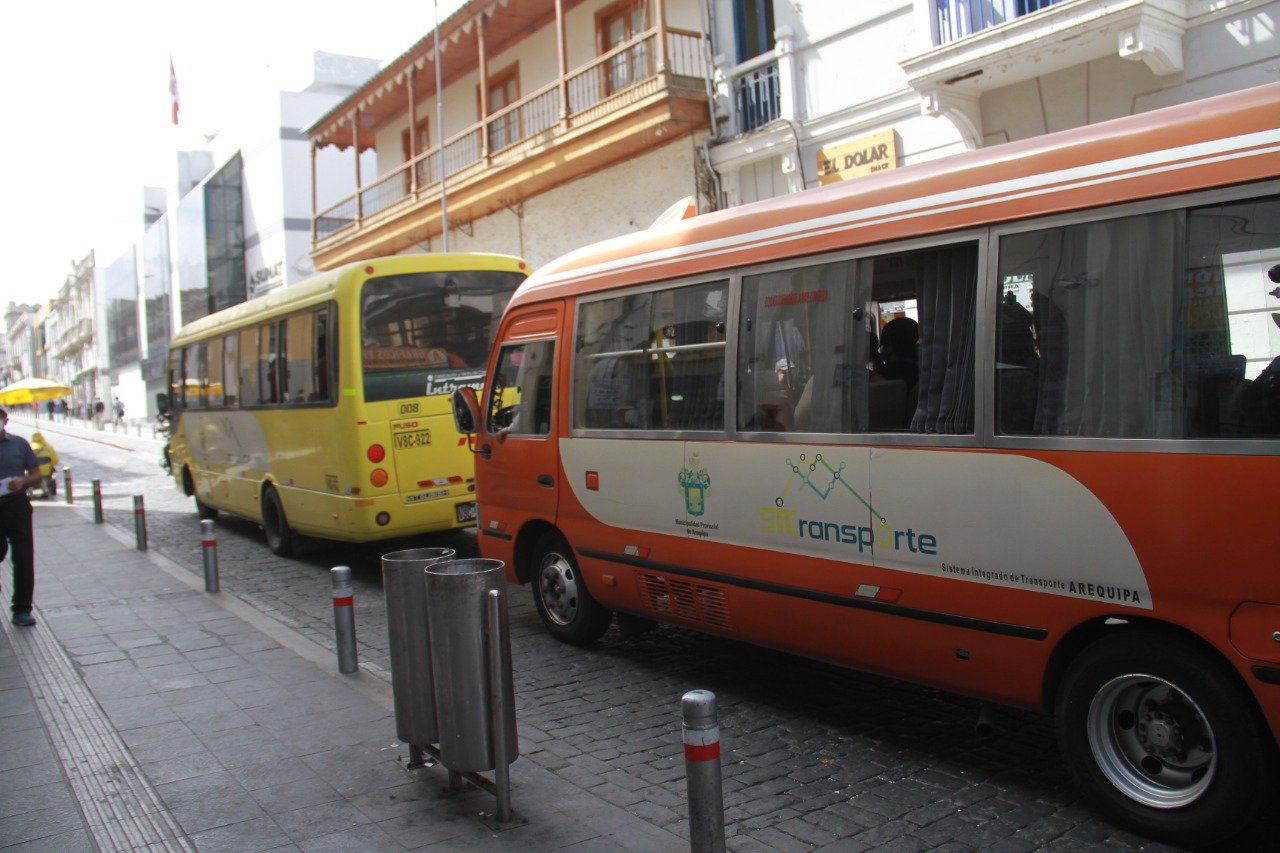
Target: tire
{"x": 567, "y": 610}
{"x": 280, "y": 538}
{"x": 1156, "y": 731}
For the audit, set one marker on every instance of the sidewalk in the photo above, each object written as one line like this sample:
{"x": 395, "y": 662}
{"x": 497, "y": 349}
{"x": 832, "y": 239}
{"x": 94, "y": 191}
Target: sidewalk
{"x": 144, "y": 713}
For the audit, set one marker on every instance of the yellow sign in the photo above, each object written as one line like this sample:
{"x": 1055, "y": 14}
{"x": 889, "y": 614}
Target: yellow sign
{"x": 875, "y": 153}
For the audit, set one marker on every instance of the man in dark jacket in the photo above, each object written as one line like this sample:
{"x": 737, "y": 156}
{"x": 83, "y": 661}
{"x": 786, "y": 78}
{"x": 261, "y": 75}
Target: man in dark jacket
{"x": 18, "y": 470}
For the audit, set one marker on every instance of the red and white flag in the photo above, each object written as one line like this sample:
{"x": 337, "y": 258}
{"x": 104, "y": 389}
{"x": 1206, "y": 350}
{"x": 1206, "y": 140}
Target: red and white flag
{"x": 173, "y": 89}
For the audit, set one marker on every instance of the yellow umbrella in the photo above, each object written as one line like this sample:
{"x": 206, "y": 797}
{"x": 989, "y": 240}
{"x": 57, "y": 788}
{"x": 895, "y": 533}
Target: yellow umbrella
{"x": 32, "y": 390}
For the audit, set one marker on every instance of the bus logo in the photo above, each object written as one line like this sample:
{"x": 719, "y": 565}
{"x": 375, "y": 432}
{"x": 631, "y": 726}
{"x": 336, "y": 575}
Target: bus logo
{"x": 695, "y": 482}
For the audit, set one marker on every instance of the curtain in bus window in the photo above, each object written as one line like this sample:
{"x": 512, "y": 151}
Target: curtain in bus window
{"x": 298, "y": 343}
{"x": 947, "y": 279}
{"x": 268, "y": 365}
{"x": 429, "y": 333}
{"x": 1104, "y": 305}
{"x": 212, "y": 380}
{"x": 611, "y": 372}
{"x": 797, "y": 349}
{"x": 231, "y": 371}
{"x": 193, "y": 372}
{"x": 322, "y": 360}
{"x": 248, "y": 367}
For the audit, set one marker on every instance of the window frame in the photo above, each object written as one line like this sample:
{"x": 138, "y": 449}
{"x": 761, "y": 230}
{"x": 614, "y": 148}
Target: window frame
{"x": 987, "y": 419}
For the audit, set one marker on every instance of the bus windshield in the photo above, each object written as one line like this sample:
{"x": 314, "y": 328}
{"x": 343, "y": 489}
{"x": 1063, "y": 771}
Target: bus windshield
{"x": 429, "y": 332}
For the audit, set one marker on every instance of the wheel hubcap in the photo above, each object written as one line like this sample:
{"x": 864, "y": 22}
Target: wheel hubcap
{"x": 1152, "y": 741}
{"x": 558, "y": 588}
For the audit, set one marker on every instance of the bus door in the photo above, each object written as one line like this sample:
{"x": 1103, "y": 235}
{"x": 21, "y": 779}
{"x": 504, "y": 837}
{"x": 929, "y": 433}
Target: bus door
{"x": 517, "y": 460}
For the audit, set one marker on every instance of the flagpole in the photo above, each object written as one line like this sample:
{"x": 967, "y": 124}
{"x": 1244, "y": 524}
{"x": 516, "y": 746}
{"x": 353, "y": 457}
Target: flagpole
{"x": 444, "y": 196}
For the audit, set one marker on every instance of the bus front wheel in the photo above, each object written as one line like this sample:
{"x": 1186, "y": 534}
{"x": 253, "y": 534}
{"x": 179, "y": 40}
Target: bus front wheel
{"x": 280, "y": 538}
{"x": 567, "y": 610}
{"x": 1156, "y": 731}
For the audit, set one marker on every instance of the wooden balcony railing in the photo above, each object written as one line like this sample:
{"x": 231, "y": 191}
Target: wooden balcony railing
{"x": 610, "y": 82}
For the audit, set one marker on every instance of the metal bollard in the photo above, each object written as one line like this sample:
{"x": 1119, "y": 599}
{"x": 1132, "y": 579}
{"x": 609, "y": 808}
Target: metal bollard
{"x": 344, "y": 619}
{"x": 702, "y": 771}
{"x": 97, "y": 501}
{"x": 496, "y": 624}
{"x": 209, "y": 545}
{"x": 140, "y": 522}
{"x": 66, "y": 483}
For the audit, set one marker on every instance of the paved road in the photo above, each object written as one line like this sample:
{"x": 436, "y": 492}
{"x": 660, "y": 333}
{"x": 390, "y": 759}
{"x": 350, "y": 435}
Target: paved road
{"x": 814, "y": 756}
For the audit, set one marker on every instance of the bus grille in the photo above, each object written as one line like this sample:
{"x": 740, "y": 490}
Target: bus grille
{"x": 694, "y": 602}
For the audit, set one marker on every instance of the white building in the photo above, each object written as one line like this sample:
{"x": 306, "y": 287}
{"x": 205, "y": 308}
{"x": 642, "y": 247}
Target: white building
{"x": 235, "y": 226}
{"x": 827, "y": 90}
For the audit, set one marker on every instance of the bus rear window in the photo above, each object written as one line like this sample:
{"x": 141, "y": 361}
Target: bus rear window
{"x": 429, "y": 333}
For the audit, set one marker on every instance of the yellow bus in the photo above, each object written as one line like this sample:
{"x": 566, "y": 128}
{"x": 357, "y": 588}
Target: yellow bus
{"x": 323, "y": 409}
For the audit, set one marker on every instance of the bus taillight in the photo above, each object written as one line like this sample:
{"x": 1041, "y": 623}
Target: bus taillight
{"x": 376, "y": 453}
{"x": 378, "y": 477}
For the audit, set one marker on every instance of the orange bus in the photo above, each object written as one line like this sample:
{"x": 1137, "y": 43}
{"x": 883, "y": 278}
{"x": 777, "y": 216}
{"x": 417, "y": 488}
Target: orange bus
{"x": 1006, "y": 424}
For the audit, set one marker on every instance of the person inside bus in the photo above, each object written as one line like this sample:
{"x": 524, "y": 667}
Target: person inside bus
{"x": 898, "y": 358}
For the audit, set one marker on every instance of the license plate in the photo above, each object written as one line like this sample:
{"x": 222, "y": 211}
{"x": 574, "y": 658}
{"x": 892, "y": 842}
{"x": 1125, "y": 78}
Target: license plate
{"x": 410, "y": 440}
{"x": 466, "y": 511}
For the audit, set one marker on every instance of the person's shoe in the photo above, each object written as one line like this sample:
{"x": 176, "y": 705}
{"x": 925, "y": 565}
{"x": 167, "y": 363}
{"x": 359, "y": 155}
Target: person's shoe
{"x": 24, "y": 620}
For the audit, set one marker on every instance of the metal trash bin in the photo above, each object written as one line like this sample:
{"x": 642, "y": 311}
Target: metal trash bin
{"x": 404, "y": 585}
{"x": 460, "y": 642}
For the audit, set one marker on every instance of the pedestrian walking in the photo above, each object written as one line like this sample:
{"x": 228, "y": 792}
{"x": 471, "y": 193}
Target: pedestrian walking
{"x": 18, "y": 470}
{"x": 98, "y": 409}
{"x": 119, "y": 411}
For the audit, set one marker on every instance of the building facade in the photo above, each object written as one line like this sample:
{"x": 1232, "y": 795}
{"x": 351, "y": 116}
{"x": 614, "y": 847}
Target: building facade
{"x": 936, "y": 77}
{"x": 556, "y": 123}
{"x": 235, "y": 226}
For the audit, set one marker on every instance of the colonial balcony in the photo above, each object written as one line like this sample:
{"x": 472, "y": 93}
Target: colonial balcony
{"x": 642, "y": 94}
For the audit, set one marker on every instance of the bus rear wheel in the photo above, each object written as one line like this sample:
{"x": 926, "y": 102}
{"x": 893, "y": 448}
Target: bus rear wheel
{"x": 567, "y": 610}
{"x": 280, "y": 538}
{"x": 1158, "y": 734}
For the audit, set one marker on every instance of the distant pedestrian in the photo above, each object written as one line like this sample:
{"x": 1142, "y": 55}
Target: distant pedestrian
{"x": 19, "y": 470}
{"x": 98, "y": 409}
{"x": 119, "y": 411}
{"x": 50, "y": 407}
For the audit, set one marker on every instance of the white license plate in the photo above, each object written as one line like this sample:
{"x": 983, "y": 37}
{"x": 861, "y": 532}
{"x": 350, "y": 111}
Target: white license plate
{"x": 466, "y": 511}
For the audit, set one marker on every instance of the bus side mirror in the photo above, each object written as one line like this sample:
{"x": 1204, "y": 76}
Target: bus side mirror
{"x": 466, "y": 410}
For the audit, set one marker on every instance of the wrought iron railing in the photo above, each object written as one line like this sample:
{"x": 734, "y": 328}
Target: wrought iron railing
{"x": 959, "y": 18}
{"x": 608, "y": 83}
{"x": 758, "y": 97}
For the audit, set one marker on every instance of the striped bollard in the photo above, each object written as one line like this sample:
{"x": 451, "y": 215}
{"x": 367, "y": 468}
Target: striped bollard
{"x": 140, "y": 522}
{"x": 97, "y": 501}
{"x": 209, "y": 545}
{"x": 66, "y": 483}
{"x": 702, "y": 771}
{"x": 344, "y": 619}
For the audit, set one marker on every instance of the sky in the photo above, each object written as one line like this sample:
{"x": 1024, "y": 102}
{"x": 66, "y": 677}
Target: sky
{"x": 87, "y": 113}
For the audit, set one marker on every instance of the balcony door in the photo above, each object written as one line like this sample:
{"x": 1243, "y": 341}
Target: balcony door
{"x": 420, "y": 144}
{"x": 617, "y": 25}
{"x": 504, "y": 90}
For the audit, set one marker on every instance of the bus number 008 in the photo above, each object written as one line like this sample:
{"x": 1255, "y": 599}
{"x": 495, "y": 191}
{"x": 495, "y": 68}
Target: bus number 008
{"x": 408, "y": 408}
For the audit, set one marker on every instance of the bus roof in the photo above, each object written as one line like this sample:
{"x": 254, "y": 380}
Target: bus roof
{"x": 324, "y": 285}
{"x": 1201, "y": 144}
